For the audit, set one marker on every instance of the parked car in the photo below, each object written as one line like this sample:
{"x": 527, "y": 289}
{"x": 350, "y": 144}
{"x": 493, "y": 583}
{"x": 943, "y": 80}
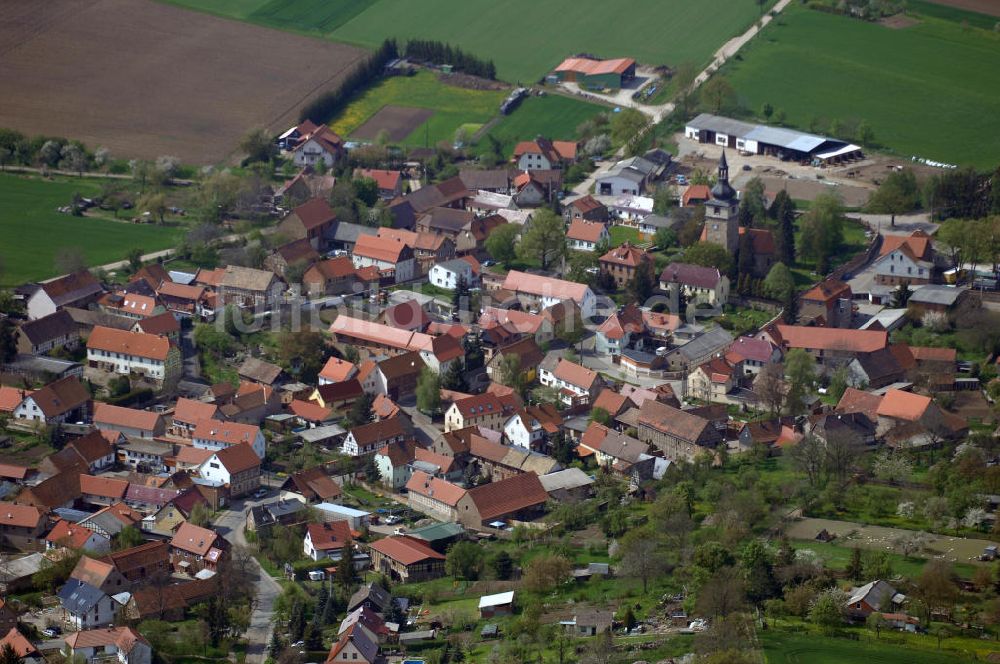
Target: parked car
{"x": 392, "y": 520}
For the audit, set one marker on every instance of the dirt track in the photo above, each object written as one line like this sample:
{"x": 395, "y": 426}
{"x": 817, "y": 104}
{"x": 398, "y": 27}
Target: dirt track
{"x": 146, "y": 79}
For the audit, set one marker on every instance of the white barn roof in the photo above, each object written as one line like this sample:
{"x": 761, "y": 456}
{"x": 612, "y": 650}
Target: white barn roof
{"x": 499, "y": 599}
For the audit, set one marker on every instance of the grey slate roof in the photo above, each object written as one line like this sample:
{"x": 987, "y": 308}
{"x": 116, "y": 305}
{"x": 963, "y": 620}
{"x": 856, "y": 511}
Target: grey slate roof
{"x": 78, "y": 597}
{"x": 714, "y": 339}
{"x": 934, "y": 294}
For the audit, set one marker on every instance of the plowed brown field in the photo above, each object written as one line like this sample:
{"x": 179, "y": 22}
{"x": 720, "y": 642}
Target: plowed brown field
{"x": 147, "y": 79}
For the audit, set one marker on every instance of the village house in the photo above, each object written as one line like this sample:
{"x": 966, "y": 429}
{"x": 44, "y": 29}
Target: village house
{"x": 22, "y": 527}
{"x": 495, "y": 461}
{"x": 100, "y": 574}
{"x": 78, "y": 289}
{"x": 246, "y": 287}
{"x": 521, "y": 497}
{"x": 87, "y": 607}
{"x": 450, "y": 274}
{"x": 529, "y": 355}
{"x": 65, "y": 534}
{"x": 394, "y": 463}
{"x": 133, "y": 306}
{"x": 905, "y": 259}
{"x": 216, "y": 435}
{"x": 699, "y": 284}
{"x": 542, "y": 292}
{"x": 312, "y": 485}
{"x": 130, "y": 422}
{"x": 124, "y": 644}
{"x": 544, "y": 154}
{"x": 434, "y": 497}
{"x": 530, "y": 427}
{"x": 336, "y": 370}
{"x": 828, "y": 304}
{"x": 297, "y": 252}
{"x": 394, "y": 260}
{"x": 102, "y": 491}
{"x": 568, "y": 486}
{"x": 753, "y": 354}
{"x": 334, "y": 276}
{"x": 368, "y": 439}
{"x": 624, "y": 261}
{"x": 593, "y": 74}
{"x": 576, "y": 384}
{"x": 141, "y": 564}
{"x": 187, "y": 413}
{"x": 187, "y": 300}
{"x": 41, "y": 335}
{"x": 64, "y": 400}
{"x": 405, "y": 559}
{"x": 134, "y": 353}
{"x": 396, "y": 377}
{"x": 320, "y": 144}
{"x": 587, "y": 208}
{"x": 236, "y": 467}
{"x": 622, "y": 455}
{"x": 326, "y": 540}
{"x": 193, "y": 548}
{"x": 437, "y": 352}
{"x": 712, "y": 381}
{"x": 825, "y": 344}
{"x": 620, "y": 330}
{"x": 510, "y": 324}
{"x": 875, "y": 596}
{"x": 390, "y": 183}
{"x": 485, "y": 410}
{"x": 630, "y": 176}
{"x": 586, "y": 235}
{"x": 678, "y": 434}
{"x": 22, "y": 647}
{"x": 355, "y": 646}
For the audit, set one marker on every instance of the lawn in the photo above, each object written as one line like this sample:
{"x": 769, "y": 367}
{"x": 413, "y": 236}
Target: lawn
{"x": 554, "y": 116}
{"x": 931, "y": 90}
{"x": 32, "y": 231}
{"x": 453, "y": 106}
{"x": 839, "y": 557}
{"x": 622, "y": 234}
{"x": 525, "y": 39}
{"x": 782, "y": 647}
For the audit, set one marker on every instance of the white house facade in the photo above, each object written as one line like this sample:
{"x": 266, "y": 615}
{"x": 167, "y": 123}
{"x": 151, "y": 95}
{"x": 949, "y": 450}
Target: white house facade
{"x": 446, "y": 275}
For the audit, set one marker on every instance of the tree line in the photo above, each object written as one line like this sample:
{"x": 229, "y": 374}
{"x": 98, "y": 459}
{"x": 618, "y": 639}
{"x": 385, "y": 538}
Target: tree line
{"x": 328, "y": 104}
{"x": 443, "y": 53}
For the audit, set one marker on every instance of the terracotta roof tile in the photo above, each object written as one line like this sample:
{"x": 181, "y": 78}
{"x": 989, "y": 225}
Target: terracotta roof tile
{"x": 405, "y": 550}
{"x": 507, "y": 496}
{"x": 131, "y": 343}
{"x": 423, "y": 484}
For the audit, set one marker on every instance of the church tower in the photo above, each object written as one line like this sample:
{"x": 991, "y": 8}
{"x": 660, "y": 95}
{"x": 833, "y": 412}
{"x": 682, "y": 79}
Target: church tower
{"x": 722, "y": 212}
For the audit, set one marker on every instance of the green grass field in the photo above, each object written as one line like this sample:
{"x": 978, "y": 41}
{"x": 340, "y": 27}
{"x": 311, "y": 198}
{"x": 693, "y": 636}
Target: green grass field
{"x": 931, "y": 90}
{"x": 452, "y": 106}
{"x": 32, "y": 231}
{"x": 796, "y": 648}
{"x": 554, "y": 116}
{"x": 525, "y": 38}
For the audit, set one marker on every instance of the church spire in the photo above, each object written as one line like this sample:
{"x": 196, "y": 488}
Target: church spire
{"x": 722, "y": 191}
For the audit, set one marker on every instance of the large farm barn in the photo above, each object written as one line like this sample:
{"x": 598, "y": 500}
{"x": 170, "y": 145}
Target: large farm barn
{"x": 778, "y": 142}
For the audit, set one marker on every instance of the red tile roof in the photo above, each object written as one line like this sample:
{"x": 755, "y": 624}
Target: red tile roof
{"x": 587, "y": 231}
{"x": 68, "y": 534}
{"x": 336, "y": 370}
{"x": 194, "y": 539}
{"x": 628, "y": 255}
{"x": 229, "y": 433}
{"x": 423, "y": 484}
{"x": 405, "y": 550}
{"x": 859, "y": 401}
{"x": 329, "y": 535}
{"x": 21, "y": 516}
{"x": 117, "y": 417}
{"x": 918, "y": 243}
{"x": 507, "y": 496}
{"x": 832, "y": 339}
{"x": 379, "y": 249}
{"x": 385, "y": 179}
{"x": 901, "y": 405}
{"x": 534, "y": 284}
{"x": 104, "y": 487}
{"x": 238, "y": 458}
{"x": 307, "y": 410}
{"x": 827, "y": 291}
{"x": 19, "y": 643}
{"x": 695, "y": 192}
{"x": 591, "y": 67}
{"x": 575, "y": 374}
{"x": 131, "y": 343}
{"x": 61, "y": 396}
{"x": 696, "y": 276}
{"x": 11, "y": 398}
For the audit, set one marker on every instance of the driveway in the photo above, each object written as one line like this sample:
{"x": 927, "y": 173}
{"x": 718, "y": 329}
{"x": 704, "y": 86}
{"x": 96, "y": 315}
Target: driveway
{"x": 230, "y": 525}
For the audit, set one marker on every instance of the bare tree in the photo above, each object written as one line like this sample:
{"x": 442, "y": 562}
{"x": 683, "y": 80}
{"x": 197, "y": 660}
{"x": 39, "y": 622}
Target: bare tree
{"x": 641, "y": 558}
{"x": 809, "y": 458}
{"x": 723, "y": 594}
{"x": 770, "y": 388}
{"x": 842, "y": 448}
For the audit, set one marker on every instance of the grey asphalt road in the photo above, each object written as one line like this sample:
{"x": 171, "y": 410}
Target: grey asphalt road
{"x": 230, "y": 525}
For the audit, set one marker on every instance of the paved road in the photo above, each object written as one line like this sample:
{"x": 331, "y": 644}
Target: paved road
{"x": 424, "y": 429}
{"x": 230, "y": 525}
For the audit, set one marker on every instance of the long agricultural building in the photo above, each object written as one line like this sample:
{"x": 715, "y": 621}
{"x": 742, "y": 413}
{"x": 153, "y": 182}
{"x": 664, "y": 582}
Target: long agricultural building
{"x": 786, "y": 144}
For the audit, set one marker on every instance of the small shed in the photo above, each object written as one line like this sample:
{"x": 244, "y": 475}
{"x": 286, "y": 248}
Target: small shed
{"x": 501, "y": 604}
{"x": 490, "y": 631}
